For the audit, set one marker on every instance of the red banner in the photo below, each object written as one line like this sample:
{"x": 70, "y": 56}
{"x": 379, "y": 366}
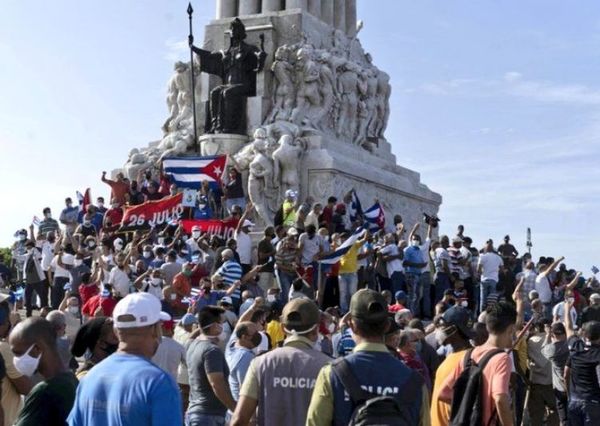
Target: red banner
{"x": 223, "y": 229}
{"x": 152, "y": 213}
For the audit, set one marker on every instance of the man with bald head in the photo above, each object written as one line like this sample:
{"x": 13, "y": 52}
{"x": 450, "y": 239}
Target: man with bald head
{"x": 33, "y": 343}
{"x": 127, "y": 388}
{"x": 239, "y": 353}
{"x": 231, "y": 272}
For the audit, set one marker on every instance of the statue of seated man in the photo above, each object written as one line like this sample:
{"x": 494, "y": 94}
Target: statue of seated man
{"x": 237, "y": 67}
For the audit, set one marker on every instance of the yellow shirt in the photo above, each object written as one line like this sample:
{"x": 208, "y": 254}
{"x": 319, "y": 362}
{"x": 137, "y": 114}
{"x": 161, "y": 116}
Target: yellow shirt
{"x": 349, "y": 261}
{"x": 275, "y": 332}
{"x": 440, "y": 411}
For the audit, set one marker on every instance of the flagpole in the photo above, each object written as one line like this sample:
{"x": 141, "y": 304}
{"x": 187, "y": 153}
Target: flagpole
{"x": 190, "y": 11}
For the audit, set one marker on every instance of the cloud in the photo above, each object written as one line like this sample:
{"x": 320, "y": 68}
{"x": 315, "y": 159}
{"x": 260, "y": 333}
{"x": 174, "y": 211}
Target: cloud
{"x": 514, "y": 84}
{"x": 177, "y": 50}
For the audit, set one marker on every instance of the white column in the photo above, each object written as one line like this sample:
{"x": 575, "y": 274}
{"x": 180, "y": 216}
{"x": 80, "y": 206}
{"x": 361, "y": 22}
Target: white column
{"x": 314, "y": 8}
{"x": 327, "y": 11}
{"x": 296, "y": 4}
{"x": 226, "y": 9}
{"x": 351, "y": 18}
{"x": 339, "y": 15}
{"x": 249, "y": 7}
{"x": 271, "y": 5}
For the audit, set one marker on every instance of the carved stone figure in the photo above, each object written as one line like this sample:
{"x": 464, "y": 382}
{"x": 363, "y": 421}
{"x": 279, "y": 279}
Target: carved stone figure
{"x": 284, "y": 93}
{"x": 348, "y": 90}
{"x": 326, "y": 90}
{"x": 237, "y": 67}
{"x": 371, "y": 101}
{"x": 260, "y": 178}
{"x": 286, "y": 173}
{"x": 178, "y": 97}
{"x": 307, "y": 98}
{"x": 384, "y": 91}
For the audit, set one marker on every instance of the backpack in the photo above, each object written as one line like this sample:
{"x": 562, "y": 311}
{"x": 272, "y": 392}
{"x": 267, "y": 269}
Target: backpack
{"x": 370, "y": 409}
{"x": 467, "y": 408}
{"x": 345, "y": 344}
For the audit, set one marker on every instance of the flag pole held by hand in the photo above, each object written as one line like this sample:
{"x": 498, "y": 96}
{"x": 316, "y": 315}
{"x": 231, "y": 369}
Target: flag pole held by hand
{"x": 190, "y": 11}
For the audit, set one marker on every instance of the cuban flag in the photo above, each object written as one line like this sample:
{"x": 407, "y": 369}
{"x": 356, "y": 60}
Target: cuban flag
{"x": 335, "y": 256}
{"x": 84, "y": 200}
{"x": 375, "y": 217}
{"x": 355, "y": 207}
{"x": 189, "y": 172}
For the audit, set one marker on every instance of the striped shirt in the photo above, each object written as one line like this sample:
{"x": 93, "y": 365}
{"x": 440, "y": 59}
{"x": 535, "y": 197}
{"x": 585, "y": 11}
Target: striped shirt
{"x": 231, "y": 271}
{"x": 47, "y": 225}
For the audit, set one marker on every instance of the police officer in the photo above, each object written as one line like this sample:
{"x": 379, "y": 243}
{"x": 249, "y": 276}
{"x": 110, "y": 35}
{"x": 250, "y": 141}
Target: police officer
{"x": 373, "y": 368}
{"x": 280, "y": 382}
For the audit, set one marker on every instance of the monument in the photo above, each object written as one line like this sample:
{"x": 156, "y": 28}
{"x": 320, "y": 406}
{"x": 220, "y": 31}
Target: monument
{"x": 286, "y": 90}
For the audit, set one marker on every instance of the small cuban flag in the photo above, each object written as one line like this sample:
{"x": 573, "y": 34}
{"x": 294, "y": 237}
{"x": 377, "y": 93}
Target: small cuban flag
{"x": 36, "y": 221}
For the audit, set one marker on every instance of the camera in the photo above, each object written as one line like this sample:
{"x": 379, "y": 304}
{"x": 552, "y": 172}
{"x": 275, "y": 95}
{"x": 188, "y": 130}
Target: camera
{"x": 431, "y": 220}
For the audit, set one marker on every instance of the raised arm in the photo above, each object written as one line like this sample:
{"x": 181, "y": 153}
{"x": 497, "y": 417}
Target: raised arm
{"x": 247, "y": 211}
{"x": 568, "y": 319}
{"x": 574, "y": 282}
{"x": 413, "y": 231}
{"x": 553, "y": 266}
{"x": 518, "y": 298}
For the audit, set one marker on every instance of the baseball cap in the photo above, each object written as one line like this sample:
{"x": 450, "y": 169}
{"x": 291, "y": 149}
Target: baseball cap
{"x": 292, "y": 232}
{"x": 458, "y": 316}
{"x": 247, "y": 223}
{"x": 300, "y": 315}
{"x": 189, "y": 319}
{"x": 595, "y": 296}
{"x": 196, "y": 228}
{"x": 227, "y": 300}
{"x": 369, "y": 306}
{"x": 400, "y": 295}
{"x": 138, "y": 310}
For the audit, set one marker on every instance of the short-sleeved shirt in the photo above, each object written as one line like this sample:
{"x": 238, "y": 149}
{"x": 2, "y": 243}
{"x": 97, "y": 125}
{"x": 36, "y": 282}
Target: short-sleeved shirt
{"x": 244, "y": 247}
{"x": 169, "y": 270}
{"x": 542, "y": 286}
{"x": 265, "y": 246}
{"x": 238, "y": 361}
{"x": 392, "y": 265}
{"x": 120, "y": 281}
{"x": 203, "y": 358}
{"x": 440, "y": 410}
{"x": 126, "y": 390}
{"x": 310, "y": 247}
{"x": 413, "y": 254}
{"x": 583, "y": 361}
{"x": 490, "y": 266}
{"x": 441, "y": 254}
{"x": 557, "y": 353}
{"x": 49, "y": 402}
{"x": 496, "y": 379}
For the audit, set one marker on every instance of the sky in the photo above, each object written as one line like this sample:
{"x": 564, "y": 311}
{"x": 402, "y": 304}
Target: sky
{"x": 496, "y": 104}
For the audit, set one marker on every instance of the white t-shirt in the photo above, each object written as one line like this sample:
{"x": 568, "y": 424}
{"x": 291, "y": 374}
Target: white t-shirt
{"x": 559, "y": 311}
{"x": 169, "y": 355}
{"x": 425, "y": 252}
{"x": 392, "y": 265}
{"x": 155, "y": 290}
{"x": 490, "y": 266}
{"x": 441, "y": 254}
{"x": 58, "y": 271}
{"x": 244, "y": 247}
{"x": 310, "y": 248}
{"x": 466, "y": 268}
{"x": 47, "y": 255}
{"x": 542, "y": 286}
{"x": 120, "y": 281}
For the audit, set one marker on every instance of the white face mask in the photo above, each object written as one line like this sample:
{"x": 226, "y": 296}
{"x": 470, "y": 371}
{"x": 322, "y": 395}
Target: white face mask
{"x": 74, "y": 310}
{"x": 161, "y": 241}
{"x": 100, "y": 204}
{"x": 156, "y": 282}
{"x": 86, "y": 223}
{"x": 147, "y": 254}
{"x": 26, "y": 364}
{"x": 464, "y": 303}
{"x": 415, "y": 243}
{"x": 196, "y": 234}
{"x": 48, "y": 215}
{"x": 22, "y": 237}
{"x": 331, "y": 328}
{"x": 271, "y": 298}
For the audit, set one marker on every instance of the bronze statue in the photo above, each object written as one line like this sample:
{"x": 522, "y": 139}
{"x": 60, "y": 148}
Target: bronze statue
{"x": 237, "y": 67}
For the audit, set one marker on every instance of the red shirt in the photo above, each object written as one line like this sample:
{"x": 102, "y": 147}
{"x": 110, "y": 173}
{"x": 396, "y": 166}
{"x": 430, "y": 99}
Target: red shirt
{"x": 326, "y": 215}
{"x": 107, "y": 304}
{"x": 395, "y": 307}
{"x": 119, "y": 190}
{"x": 115, "y": 215}
{"x": 86, "y": 292}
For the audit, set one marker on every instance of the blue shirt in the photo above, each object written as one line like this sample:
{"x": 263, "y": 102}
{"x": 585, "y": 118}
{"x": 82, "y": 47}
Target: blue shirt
{"x": 231, "y": 271}
{"x": 414, "y": 255}
{"x": 126, "y": 390}
{"x": 238, "y": 360}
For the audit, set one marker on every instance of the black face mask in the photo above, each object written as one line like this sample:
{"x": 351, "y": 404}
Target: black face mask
{"x": 256, "y": 339}
{"x": 110, "y": 348}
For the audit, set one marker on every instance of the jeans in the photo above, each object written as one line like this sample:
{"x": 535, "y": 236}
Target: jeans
{"x": 57, "y": 291}
{"x": 442, "y": 283}
{"x": 199, "y": 419}
{"x": 487, "y": 287}
{"x": 541, "y": 403}
{"x": 348, "y": 284}
{"x": 583, "y": 412}
{"x": 41, "y": 290}
{"x": 562, "y": 405}
{"x": 425, "y": 310}
{"x": 398, "y": 282}
{"x": 285, "y": 282}
{"x": 415, "y": 291}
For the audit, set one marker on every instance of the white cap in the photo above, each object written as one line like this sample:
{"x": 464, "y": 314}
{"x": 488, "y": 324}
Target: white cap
{"x": 247, "y": 223}
{"x": 145, "y": 308}
{"x": 227, "y": 299}
{"x": 68, "y": 259}
{"x": 196, "y": 228}
{"x": 292, "y": 232}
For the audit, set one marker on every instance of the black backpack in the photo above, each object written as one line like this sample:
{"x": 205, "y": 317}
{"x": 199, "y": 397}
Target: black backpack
{"x": 467, "y": 404}
{"x": 370, "y": 409}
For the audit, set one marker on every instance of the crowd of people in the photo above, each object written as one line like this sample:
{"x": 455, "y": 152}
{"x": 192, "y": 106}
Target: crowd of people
{"x": 164, "y": 327}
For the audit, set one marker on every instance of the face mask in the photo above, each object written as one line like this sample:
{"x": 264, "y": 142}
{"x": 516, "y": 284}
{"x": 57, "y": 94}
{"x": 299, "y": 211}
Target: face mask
{"x": 156, "y": 282}
{"x": 414, "y": 243}
{"x": 87, "y": 223}
{"x": 69, "y": 205}
{"x": 147, "y": 254}
{"x": 184, "y": 238}
{"x": 256, "y": 339}
{"x": 26, "y": 364}
{"x": 331, "y": 328}
{"x": 161, "y": 241}
{"x": 91, "y": 244}
{"x": 196, "y": 234}
{"x": 48, "y": 215}
{"x": 115, "y": 206}
{"x": 22, "y": 237}
{"x": 271, "y": 298}
{"x": 74, "y": 310}
{"x": 464, "y": 303}
{"x": 187, "y": 273}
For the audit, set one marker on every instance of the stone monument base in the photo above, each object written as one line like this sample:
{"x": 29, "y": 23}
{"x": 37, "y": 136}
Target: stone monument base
{"x": 221, "y": 143}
